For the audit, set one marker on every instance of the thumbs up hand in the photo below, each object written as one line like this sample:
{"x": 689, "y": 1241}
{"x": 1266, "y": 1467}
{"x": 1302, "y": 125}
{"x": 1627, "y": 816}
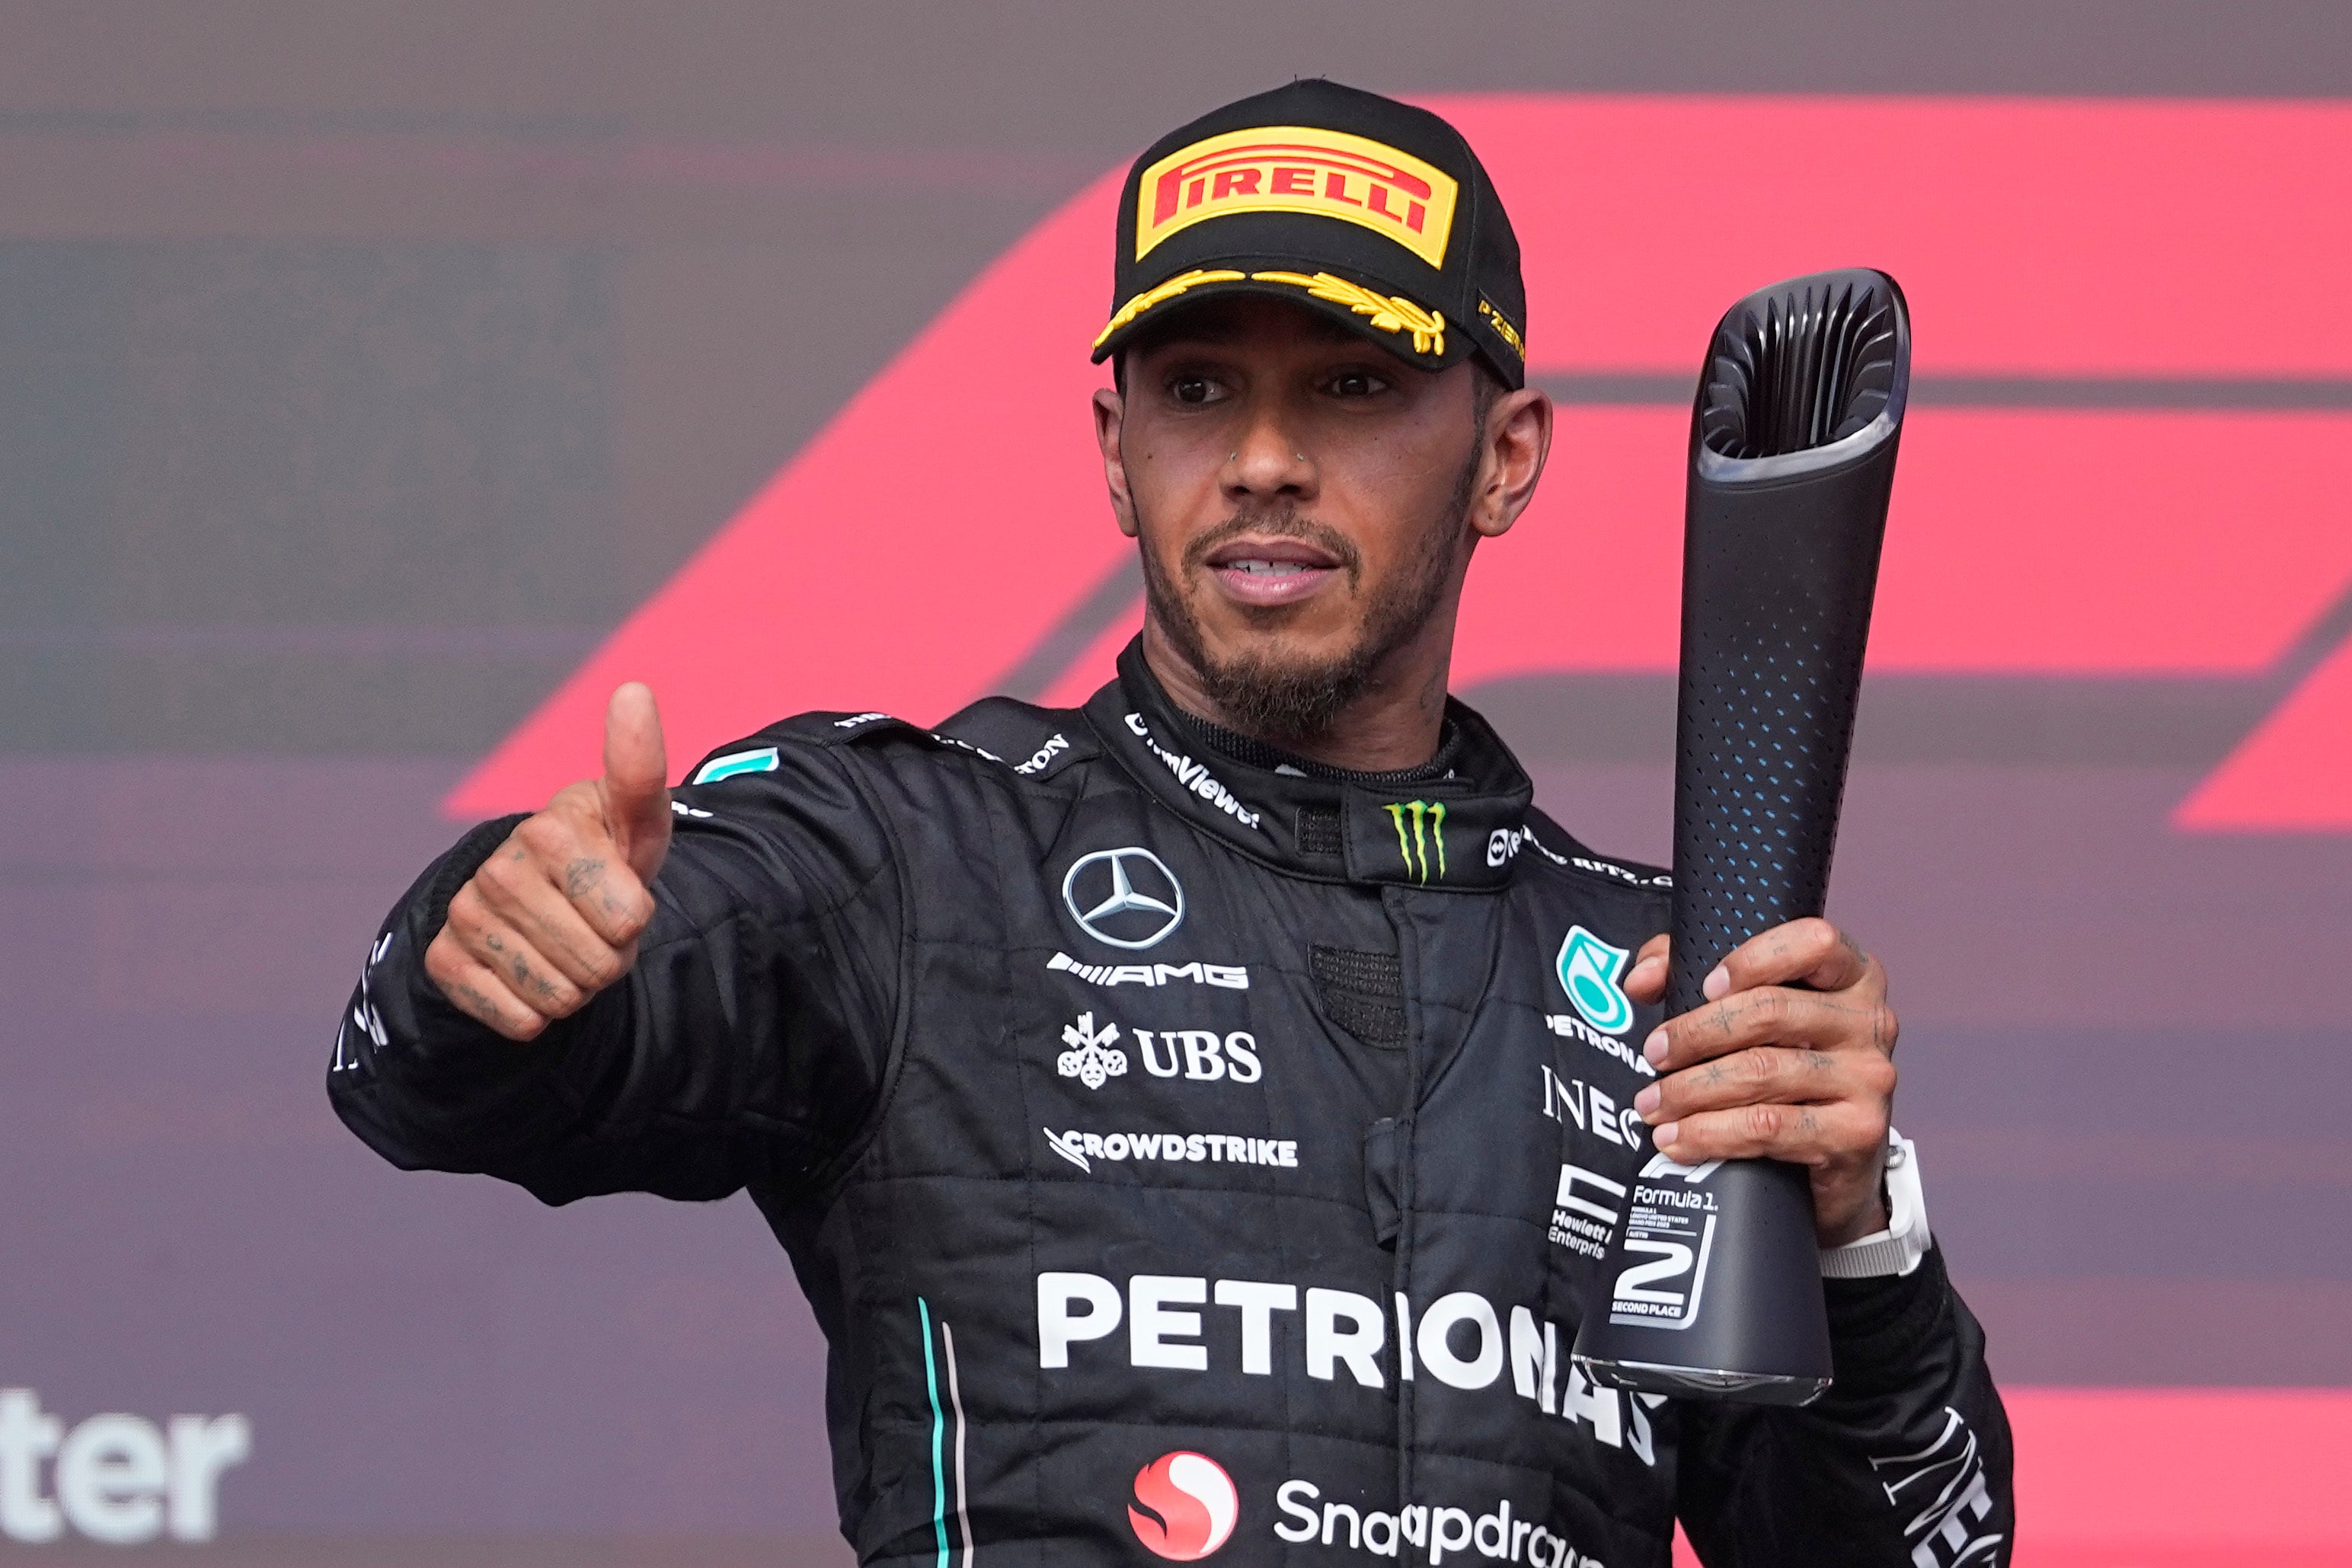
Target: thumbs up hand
{"x": 553, "y": 916}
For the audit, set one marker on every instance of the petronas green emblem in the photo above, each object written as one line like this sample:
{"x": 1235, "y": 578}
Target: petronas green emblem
{"x": 1589, "y": 968}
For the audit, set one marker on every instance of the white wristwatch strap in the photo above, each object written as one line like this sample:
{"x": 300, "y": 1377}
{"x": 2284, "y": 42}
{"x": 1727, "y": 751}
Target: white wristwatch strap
{"x": 1897, "y": 1249}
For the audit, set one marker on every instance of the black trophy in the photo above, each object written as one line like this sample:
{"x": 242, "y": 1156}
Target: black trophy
{"x": 1712, "y": 1282}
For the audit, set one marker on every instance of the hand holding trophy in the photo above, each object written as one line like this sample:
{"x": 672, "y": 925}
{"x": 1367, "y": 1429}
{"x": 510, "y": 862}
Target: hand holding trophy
{"x": 1713, "y": 1280}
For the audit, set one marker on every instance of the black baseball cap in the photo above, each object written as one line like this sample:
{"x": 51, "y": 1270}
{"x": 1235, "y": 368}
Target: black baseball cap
{"x": 1371, "y": 211}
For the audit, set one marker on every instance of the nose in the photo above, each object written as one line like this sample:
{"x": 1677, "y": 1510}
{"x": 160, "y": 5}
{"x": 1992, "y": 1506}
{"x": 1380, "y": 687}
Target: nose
{"x": 1270, "y": 462}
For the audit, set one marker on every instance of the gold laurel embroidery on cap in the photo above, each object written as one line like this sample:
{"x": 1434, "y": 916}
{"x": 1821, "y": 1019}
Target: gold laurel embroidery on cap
{"x": 1389, "y": 312}
{"x": 1164, "y": 292}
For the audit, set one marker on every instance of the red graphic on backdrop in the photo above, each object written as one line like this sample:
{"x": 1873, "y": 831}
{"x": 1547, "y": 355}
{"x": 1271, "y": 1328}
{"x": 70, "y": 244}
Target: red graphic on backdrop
{"x": 2036, "y": 239}
{"x": 1185, "y": 1506}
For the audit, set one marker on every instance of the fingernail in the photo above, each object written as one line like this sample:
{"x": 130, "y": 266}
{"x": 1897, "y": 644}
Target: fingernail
{"x": 1717, "y": 984}
{"x": 1662, "y": 1137}
{"x": 1653, "y": 1048}
{"x": 1647, "y": 1100}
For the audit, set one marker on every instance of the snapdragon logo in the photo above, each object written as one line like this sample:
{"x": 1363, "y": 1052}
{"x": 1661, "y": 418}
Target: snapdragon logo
{"x": 118, "y": 1478}
{"x": 1439, "y": 1530}
{"x": 1185, "y": 1506}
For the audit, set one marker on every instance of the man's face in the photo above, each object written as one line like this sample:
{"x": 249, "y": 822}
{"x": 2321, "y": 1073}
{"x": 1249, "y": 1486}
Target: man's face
{"x": 1302, "y": 499}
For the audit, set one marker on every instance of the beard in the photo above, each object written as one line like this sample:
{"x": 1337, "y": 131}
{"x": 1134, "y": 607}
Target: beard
{"x": 1264, "y": 693}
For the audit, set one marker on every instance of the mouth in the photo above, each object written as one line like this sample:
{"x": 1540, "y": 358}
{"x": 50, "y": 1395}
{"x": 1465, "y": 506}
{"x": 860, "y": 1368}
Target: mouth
{"x": 1272, "y": 572}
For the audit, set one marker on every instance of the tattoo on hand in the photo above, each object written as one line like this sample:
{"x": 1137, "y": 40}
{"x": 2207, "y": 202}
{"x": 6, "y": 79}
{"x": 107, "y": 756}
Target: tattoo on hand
{"x": 581, "y": 876}
{"x": 480, "y": 1006}
{"x": 526, "y": 975}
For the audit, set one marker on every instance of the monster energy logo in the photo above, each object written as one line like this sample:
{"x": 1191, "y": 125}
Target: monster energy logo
{"x": 1415, "y": 847}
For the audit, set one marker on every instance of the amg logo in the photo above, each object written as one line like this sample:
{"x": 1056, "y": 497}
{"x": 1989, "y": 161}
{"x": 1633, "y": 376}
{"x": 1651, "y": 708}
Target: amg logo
{"x": 1231, "y": 976}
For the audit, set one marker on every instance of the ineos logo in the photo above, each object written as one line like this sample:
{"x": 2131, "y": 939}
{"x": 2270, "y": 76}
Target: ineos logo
{"x": 1125, "y": 897}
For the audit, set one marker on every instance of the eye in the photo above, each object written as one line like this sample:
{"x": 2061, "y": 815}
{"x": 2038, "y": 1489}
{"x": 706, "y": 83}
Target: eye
{"x": 1192, "y": 391}
{"x": 1355, "y": 384}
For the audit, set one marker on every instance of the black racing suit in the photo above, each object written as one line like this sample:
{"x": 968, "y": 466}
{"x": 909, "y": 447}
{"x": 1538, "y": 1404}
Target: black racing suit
{"x": 1180, "y": 1156}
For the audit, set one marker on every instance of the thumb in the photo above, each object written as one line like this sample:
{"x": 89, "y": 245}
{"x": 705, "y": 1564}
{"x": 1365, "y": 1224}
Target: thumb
{"x": 1646, "y": 980}
{"x": 636, "y": 786}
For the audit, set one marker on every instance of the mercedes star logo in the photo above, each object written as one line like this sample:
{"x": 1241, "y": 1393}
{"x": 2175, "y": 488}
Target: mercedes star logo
{"x": 1126, "y": 897}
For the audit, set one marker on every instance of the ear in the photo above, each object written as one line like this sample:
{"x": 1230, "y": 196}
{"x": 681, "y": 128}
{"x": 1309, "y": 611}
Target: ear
{"x": 1111, "y": 419}
{"x": 1518, "y": 440}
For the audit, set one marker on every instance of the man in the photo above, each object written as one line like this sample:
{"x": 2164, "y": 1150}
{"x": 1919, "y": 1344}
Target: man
{"x": 1197, "y": 1118}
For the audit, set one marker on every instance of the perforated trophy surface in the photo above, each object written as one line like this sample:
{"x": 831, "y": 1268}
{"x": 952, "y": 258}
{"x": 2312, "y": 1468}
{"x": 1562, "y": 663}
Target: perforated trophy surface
{"x": 1712, "y": 1283}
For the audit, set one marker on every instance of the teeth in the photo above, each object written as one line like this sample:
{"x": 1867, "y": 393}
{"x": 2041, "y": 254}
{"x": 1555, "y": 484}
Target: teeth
{"x": 1268, "y": 568}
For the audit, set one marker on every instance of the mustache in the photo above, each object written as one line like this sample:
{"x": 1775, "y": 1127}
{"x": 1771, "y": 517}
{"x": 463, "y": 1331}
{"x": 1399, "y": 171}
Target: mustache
{"x": 1279, "y": 522}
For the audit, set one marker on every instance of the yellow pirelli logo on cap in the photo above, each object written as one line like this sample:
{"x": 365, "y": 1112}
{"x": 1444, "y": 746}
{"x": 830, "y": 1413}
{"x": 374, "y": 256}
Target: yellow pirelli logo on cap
{"x": 1298, "y": 169}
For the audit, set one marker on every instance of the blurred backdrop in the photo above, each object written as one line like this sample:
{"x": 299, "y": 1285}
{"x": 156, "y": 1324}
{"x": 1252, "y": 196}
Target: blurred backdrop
{"x": 379, "y": 383}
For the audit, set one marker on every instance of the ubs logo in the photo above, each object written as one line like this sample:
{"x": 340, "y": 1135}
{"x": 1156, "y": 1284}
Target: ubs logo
{"x": 1124, "y": 897}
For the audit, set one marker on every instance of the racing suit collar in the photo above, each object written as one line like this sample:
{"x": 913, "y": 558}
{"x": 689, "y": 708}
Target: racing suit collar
{"x": 1452, "y": 833}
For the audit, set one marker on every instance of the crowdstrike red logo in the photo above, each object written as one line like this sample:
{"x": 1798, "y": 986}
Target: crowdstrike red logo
{"x": 1186, "y": 1507}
